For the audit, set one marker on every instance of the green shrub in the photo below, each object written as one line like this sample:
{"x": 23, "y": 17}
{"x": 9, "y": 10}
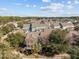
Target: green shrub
{"x": 74, "y": 52}
{"x": 37, "y": 48}
{"x": 57, "y": 43}
{"x": 6, "y": 52}
{"x": 6, "y": 29}
{"x": 15, "y": 40}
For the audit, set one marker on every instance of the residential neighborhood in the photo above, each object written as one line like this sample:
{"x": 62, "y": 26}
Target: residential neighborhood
{"x": 39, "y": 29}
{"x": 35, "y": 35}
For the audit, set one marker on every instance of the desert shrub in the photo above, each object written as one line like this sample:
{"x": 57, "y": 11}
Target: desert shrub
{"x": 37, "y": 48}
{"x": 57, "y": 43}
{"x": 74, "y": 52}
{"x": 20, "y": 25}
{"x": 6, "y": 29}
{"x": 6, "y": 52}
{"x": 57, "y": 37}
{"x": 15, "y": 40}
{"x": 76, "y": 28}
{"x": 47, "y": 51}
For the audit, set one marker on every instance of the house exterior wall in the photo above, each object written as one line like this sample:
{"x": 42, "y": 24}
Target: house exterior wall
{"x": 36, "y": 27}
{"x": 57, "y": 27}
{"x": 42, "y": 27}
{"x": 68, "y": 26}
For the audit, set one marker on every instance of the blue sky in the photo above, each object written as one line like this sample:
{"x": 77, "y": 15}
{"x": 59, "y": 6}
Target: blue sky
{"x": 39, "y": 8}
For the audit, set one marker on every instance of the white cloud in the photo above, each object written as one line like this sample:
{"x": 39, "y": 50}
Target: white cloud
{"x": 53, "y": 7}
{"x": 31, "y": 6}
{"x": 27, "y": 5}
{"x": 70, "y": 6}
{"x": 45, "y": 0}
{"x": 44, "y": 9}
{"x": 69, "y": 2}
{"x": 56, "y": 6}
{"x": 34, "y": 6}
{"x": 76, "y": 1}
{"x": 18, "y": 4}
{"x": 3, "y": 9}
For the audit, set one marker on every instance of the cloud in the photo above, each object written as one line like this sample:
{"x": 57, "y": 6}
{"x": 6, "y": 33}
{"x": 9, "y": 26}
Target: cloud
{"x": 44, "y": 9}
{"x": 45, "y": 0}
{"x": 34, "y": 6}
{"x": 73, "y": 2}
{"x": 53, "y": 7}
{"x": 3, "y": 9}
{"x": 31, "y": 6}
{"x": 76, "y": 1}
{"x": 70, "y": 7}
{"x": 19, "y": 4}
{"x": 69, "y": 2}
{"x": 59, "y": 8}
{"x": 27, "y": 5}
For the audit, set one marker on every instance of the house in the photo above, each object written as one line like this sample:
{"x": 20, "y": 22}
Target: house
{"x": 26, "y": 27}
{"x": 33, "y": 38}
{"x": 56, "y": 25}
{"x": 68, "y": 25}
{"x": 36, "y": 27}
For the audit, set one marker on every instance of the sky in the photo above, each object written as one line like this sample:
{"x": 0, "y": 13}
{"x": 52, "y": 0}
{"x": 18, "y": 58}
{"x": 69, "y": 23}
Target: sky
{"x": 47, "y": 8}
